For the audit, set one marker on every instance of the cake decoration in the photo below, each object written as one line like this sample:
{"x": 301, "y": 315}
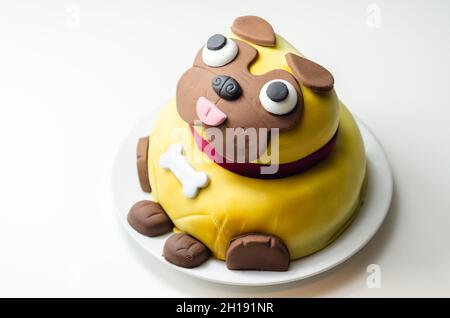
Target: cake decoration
{"x": 196, "y": 86}
{"x": 219, "y": 55}
{"x": 185, "y": 251}
{"x": 278, "y": 97}
{"x": 254, "y": 29}
{"x": 216, "y": 42}
{"x": 208, "y": 113}
{"x": 192, "y": 181}
{"x": 149, "y": 219}
{"x": 255, "y": 170}
{"x": 226, "y": 87}
{"x": 310, "y": 74}
{"x": 141, "y": 154}
{"x": 277, "y": 91}
{"x": 260, "y": 252}
{"x": 255, "y": 161}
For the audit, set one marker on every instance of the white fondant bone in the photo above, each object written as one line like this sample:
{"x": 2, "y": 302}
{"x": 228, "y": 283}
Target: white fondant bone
{"x": 190, "y": 179}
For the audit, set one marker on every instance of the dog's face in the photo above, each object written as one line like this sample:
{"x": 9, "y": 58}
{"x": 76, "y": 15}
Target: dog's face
{"x": 220, "y": 91}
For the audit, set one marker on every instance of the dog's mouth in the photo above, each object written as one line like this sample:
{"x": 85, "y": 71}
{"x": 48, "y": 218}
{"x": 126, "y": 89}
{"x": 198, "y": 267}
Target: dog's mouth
{"x": 209, "y": 113}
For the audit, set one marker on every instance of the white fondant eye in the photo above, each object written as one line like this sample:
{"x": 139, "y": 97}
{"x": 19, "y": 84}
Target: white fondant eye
{"x": 219, "y": 51}
{"x": 278, "y": 97}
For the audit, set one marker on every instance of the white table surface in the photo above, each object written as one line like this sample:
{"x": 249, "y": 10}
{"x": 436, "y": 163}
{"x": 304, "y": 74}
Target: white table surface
{"x": 75, "y": 77}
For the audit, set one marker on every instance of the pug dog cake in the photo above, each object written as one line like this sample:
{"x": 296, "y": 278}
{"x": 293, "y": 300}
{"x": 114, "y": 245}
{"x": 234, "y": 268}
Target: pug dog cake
{"x": 255, "y": 161}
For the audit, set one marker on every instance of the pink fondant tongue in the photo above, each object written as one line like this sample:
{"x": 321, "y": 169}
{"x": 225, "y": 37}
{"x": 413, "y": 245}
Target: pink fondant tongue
{"x": 209, "y": 113}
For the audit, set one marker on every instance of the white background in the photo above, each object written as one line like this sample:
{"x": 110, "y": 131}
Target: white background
{"x": 75, "y": 77}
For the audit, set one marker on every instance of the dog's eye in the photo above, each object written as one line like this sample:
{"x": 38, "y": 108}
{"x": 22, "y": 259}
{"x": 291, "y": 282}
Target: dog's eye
{"x": 219, "y": 51}
{"x": 278, "y": 97}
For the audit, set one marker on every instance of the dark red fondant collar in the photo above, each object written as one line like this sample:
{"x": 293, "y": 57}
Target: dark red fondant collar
{"x": 253, "y": 170}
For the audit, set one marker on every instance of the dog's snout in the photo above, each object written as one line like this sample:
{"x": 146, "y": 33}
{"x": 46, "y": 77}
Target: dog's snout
{"x": 226, "y": 87}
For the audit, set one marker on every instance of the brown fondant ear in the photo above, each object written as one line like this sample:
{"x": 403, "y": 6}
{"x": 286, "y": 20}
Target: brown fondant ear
{"x": 254, "y": 29}
{"x": 310, "y": 74}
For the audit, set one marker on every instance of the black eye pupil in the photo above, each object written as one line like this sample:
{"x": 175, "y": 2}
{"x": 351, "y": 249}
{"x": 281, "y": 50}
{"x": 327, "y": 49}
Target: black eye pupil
{"x": 216, "y": 42}
{"x": 277, "y": 91}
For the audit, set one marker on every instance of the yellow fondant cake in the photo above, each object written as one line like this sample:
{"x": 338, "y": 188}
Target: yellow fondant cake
{"x": 252, "y": 78}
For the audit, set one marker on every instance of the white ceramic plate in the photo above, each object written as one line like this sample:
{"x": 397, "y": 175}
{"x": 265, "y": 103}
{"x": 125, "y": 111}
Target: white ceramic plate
{"x": 126, "y": 192}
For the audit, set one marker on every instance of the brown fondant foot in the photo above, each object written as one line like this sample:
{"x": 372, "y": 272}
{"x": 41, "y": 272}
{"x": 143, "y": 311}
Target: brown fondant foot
{"x": 258, "y": 252}
{"x": 148, "y": 218}
{"x": 142, "y": 164}
{"x": 185, "y": 251}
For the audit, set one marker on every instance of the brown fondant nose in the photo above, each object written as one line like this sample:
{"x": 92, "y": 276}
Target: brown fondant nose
{"x": 226, "y": 87}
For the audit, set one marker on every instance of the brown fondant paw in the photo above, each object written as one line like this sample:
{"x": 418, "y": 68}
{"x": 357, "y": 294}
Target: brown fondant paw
{"x": 142, "y": 165}
{"x": 258, "y": 252}
{"x": 148, "y": 218}
{"x": 185, "y": 251}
